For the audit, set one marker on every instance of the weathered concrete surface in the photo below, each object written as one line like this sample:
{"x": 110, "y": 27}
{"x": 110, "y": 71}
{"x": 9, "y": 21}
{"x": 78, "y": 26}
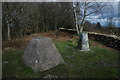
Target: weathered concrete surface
{"x": 41, "y": 54}
{"x": 85, "y": 42}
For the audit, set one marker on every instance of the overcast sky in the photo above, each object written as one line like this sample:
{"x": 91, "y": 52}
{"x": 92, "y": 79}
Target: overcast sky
{"x": 102, "y": 18}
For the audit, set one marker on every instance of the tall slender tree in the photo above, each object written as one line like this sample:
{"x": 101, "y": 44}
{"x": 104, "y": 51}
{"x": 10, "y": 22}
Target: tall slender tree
{"x": 82, "y": 10}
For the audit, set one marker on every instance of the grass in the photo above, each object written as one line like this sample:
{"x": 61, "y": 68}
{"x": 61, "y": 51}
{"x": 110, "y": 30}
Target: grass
{"x": 98, "y": 63}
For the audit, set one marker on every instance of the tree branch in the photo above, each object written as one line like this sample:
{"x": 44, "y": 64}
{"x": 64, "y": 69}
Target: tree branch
{"x": 96, "y": 10}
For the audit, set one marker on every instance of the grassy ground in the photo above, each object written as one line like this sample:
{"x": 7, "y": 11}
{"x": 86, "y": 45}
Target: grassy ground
{"x": 98, "y": 63}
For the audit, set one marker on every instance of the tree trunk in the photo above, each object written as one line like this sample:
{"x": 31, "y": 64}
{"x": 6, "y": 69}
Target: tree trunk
{"x": 8, "y": 31}
{"x": 55, "y": 24}
{"x": 79, "y": 45}
{"x": 9, "y": 36}
{"x": 83, "y": 37}
{"x": 44, "y": 24}
{"x": 83, "y": 42}
{"x": 76, "y": 21}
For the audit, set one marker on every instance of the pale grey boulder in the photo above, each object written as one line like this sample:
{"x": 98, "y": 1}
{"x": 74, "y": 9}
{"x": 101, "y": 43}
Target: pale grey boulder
{"x": 85, "y": 42}
{"x": 41, "y": 54}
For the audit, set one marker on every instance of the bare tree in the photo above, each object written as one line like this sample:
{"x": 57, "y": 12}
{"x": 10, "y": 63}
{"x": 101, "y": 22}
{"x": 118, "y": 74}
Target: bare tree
{"x": 21, "y": 19}
{"x": 82, "y": 10}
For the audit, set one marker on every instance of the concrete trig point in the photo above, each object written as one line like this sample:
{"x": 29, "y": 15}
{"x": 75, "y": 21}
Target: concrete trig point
{"x": 85, "y": 41}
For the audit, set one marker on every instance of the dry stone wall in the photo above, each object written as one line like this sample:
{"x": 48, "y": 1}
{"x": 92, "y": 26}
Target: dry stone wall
{"x": 108, "y": 40}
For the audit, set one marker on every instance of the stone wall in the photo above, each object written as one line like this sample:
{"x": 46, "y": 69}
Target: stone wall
{"x": 108, "y": 40}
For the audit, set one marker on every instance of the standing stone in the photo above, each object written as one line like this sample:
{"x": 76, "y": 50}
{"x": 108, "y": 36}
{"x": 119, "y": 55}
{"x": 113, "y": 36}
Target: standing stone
{"x": 85, "y": 42}
{"x": 41, "y": 54}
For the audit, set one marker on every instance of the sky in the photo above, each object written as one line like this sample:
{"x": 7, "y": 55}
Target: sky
{"x": 103, "y": 18}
